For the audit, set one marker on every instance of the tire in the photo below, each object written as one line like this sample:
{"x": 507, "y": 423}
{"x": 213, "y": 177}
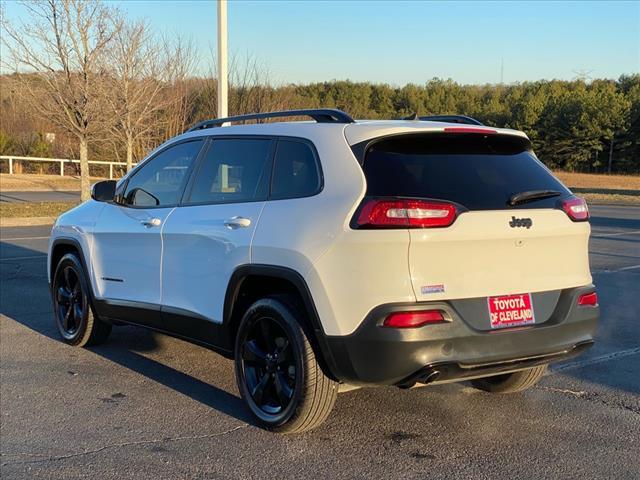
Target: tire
{"x": 74, "y": 316}
{"x": 510, "y": 382}
{"x": 278, "y": 375}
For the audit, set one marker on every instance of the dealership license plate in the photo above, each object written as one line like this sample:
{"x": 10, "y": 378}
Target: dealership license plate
{"x": 511, "y": 310}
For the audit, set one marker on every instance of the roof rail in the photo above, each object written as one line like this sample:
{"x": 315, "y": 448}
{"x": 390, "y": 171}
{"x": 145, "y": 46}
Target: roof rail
{"x": 320, "y": 115}
{"x": 452, "y": 119}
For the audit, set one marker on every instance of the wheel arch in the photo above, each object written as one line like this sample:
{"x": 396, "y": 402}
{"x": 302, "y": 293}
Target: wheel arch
{"x": 59, "y": 248}
{"x": 250, "y": 282}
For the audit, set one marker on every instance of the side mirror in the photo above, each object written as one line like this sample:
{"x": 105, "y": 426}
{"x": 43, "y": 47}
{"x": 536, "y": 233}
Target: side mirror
{"x": 104, "y": 191}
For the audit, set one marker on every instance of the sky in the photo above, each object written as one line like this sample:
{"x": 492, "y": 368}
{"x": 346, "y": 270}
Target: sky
{"x": 400, "y": 42}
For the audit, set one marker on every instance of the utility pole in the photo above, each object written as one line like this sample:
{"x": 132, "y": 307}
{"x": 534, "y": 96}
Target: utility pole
{"x": 502, "y": 70}
{"x": 223, "y": 87}
{"x": 610, "y": 154}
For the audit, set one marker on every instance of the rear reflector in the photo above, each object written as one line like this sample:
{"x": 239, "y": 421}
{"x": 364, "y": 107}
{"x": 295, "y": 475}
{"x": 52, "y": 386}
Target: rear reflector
{"x": 413, "y": 319}
{"x": 576, "y": 208}
{"x": 377, "y": 213}
{"x": 485, "y": 131}
{"x": 588, "y": 300}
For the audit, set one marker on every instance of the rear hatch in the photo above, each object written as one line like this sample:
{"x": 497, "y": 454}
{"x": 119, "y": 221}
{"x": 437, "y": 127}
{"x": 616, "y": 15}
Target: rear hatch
{"x": 485, "y": 216}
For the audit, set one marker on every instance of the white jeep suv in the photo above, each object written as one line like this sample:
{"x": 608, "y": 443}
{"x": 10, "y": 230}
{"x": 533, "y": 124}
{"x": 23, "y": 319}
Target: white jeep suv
{"x": 336, "y": 252}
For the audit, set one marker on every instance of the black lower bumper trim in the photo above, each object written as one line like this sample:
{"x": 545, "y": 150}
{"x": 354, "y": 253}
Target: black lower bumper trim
{"x": 454, "y": 372}
{"x": 464, "y": 346}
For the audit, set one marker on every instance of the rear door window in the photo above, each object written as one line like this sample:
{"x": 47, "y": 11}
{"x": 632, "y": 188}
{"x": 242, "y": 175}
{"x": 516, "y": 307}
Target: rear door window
{"x": 479, "y": 172}
{"x": 295, "y": 172}
{"x": 233, "y": 170}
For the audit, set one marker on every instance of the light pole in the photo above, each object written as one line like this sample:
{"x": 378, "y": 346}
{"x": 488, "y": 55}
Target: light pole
{"x": 223, "y": 87}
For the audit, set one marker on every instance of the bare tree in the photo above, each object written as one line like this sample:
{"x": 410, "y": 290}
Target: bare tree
{"x": 180, "y": 55}
{"x": 58, "y": 55}
{"x": 141, "y": 70}
{"x": 250, "y": 87}
{"x": 251, "y": 90}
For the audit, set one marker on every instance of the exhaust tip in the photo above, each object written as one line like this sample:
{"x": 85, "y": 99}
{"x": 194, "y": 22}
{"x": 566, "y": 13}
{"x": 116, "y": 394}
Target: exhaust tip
{"x": 424, "y": 377}
{"x": 430, "y": 377}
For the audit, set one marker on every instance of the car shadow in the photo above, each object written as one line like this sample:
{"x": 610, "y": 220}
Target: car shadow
{"x": 194, "y": 388}
{"x": 24, "y": 298}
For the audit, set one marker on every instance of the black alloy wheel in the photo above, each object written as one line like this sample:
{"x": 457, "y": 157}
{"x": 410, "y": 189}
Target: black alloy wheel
{"x": 70, "y": 301}
{"x": 278, "y": 375}
{"x": 71, "y": 305}
{"x": 269, "y": 366}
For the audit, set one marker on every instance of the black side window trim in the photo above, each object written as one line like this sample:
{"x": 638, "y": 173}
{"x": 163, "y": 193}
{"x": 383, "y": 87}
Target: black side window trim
{"x": 189, "y": 174}
{"x": 316, "y": 159}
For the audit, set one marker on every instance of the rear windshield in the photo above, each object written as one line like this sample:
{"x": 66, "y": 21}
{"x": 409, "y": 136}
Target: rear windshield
{"x": 480, "y": 172}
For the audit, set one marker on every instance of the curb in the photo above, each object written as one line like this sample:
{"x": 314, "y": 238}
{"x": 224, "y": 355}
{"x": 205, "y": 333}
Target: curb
{"x": 26, "y": 221}
{"x": 613, "y": 204}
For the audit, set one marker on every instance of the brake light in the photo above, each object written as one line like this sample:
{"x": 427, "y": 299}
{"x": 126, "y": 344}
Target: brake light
{"x": 485, "y": 131}
{"x": 576, "y": 208}
{"x": 588, "y": 300}
{"x": 399, "y": 213}
{"x": 413, "y": 319}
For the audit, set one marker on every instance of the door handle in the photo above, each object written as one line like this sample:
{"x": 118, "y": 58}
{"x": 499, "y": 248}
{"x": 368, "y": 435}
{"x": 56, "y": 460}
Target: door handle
{"x": 237, "y": 222}
{"x": 151, "y": 222}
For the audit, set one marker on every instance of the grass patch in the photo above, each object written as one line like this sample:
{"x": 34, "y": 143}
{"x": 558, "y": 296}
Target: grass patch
{"x": 603, "y": 188}
{"x": 36, "y": 209}
{"x": 599, "y": 181}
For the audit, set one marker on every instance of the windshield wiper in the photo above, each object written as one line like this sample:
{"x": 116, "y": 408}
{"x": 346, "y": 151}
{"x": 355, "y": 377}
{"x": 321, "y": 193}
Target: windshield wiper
{"x": 530, "y": 196}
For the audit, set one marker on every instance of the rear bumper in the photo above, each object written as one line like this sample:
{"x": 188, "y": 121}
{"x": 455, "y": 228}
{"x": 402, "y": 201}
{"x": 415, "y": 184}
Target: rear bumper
{"x": 456, "y": 350}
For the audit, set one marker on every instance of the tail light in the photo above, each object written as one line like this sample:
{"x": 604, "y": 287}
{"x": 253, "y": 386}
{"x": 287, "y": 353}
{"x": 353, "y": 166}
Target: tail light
{"x": 588, "y": 300}
{"x": 576, "y": 208}
{"x": 413, "y": 319}
{"x": 400, "y": 213}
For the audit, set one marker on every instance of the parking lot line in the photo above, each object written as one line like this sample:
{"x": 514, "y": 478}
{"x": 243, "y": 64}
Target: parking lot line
{"x": 592, "y": 361}
{"x": 616, "y": 270}
{"x": 22, "y": 238}
{"x": 616, "y": 234}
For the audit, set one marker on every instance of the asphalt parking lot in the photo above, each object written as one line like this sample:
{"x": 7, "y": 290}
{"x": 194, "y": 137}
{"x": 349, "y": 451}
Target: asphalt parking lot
{"x": 44, "y": 196}
{"x": 147, "y": 406}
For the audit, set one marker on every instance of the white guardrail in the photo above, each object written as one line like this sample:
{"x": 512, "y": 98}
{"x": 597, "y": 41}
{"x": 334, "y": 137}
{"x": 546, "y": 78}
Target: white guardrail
{"x": 61, "y": 161}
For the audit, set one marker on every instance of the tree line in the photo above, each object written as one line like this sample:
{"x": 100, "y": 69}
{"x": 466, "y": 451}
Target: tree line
{"x": 86, "y": 82}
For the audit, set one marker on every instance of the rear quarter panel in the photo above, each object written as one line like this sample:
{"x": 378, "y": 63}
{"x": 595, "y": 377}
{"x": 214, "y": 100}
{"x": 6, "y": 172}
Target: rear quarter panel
{"x": 348, "y": 272}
